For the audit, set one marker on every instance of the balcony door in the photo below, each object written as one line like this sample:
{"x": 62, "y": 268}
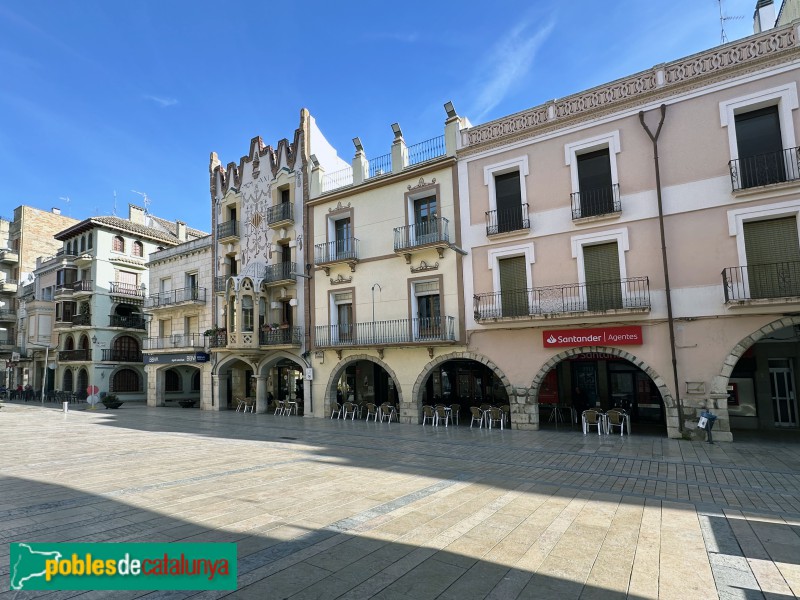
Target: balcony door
{"x": 601, "y": 271}
{"x": 429, "y": 309}
{"x": 425, "y": 223}
{"x": 758, "y": 140}
{"x": 773, "y": 258}
{"x": 509, "y": 202}
{"x": 343, "y": 315}
{"x": 343, "y": 232}
{"x": 595, "y": 184}
{"x": 513, "y": 287}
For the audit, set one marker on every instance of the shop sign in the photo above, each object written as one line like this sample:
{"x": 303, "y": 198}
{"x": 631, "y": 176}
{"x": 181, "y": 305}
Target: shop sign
{"x": 630, "y": 335}
{"x": 163, "y": 359}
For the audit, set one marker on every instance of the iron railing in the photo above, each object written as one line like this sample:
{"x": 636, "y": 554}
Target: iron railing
{"x": 220, "y": 283}
{"x": 82, "y": 320}
{"x": 281, "y": 271}
{"x": 83, "y": 285}
{"x": 129, "y": 321}
{"x": 765, "y": 169}
{"x": 427, "y": 150}
{"x": 338, "y": 250}
{"x": 509, "y": 219}
{"x": 176, "y": 340}
{"x": 631, "y": 293}
{"x": 593, "y": 203}
{"x": 125, "y": 289}
{"x": 432, "y": 231}
{"x": 6, "y": 341}
{"x": 187, "y": 294}
{"x": 337, "y": 179}
{"x": 280, "y": 212}
{"x": 380, "y": 165}
{"x": 120, "y": 355}
{"x": 228, "y": 229}
{"x": 65, "y": 289}
{"x": 8, "y": 315}
{"x": 772, "y": 280}
{"x": 217, "y": 340}
{"x": 80, "y": 354}
{"x": 281, "y": 337}
{"x": 397, "y": 331}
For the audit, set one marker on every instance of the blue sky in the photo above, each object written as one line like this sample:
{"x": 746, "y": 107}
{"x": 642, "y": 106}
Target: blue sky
{"x": 102, "y": 96}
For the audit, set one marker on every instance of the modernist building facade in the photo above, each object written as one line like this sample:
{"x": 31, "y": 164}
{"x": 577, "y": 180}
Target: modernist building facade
{"x": 562, "y": 218}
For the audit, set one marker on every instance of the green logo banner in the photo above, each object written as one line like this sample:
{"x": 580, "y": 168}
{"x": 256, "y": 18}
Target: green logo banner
{"x": 123, "y": 566}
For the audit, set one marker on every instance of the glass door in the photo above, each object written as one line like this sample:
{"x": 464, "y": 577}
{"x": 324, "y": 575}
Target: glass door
{"x": 784, "y": 401}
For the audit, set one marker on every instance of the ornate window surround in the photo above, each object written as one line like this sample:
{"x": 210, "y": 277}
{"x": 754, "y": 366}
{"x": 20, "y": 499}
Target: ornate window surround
{"x": 738, "y": 217}
{"x": 510, "y": 165}
{"x": 620, "y": 236}
{"x": 572, "y": 150}
{"x": 497, "y": 254}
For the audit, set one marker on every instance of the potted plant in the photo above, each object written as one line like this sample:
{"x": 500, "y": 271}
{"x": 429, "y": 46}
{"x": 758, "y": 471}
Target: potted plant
{"x": 111, "y": 401}
{"x": 275, "y": 327}
{"x": 187, "y": 403}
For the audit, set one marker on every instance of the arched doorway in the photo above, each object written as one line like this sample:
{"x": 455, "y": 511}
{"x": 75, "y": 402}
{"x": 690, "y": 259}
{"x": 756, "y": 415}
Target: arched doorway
{"x": 364, "y": 379}
{"x": 66, "y": 384}
{"x": 762, "y": 385}
{"x": 83, "y": 383}
{"x": 235, "y": 381}
{"x": 283, "y": 377}
{"x": 602, "y": 378}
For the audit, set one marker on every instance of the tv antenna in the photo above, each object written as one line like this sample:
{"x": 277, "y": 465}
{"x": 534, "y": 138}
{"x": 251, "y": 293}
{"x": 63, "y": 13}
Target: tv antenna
{"x": 723, "y": 38}
{"x": 65, "y": 199}
{"x": 145, "y": 200}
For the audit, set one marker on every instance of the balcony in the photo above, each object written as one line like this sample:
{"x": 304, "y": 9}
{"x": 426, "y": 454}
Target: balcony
{"x": 82, "y": 320}
{"x": 83, "y": 287}
{"x": 74, "y": 355}
{"x": 9, "y": 257}
{"x": 765, "y": 169}
{"x": 632, "y": 294}
{"x": 771, "y": 281}
{"x": 280, "y": 215}
{"x": 8, "y": 315}
{"x": 291, "y": 336}
{"x": 193, "y": 295}
{"x": 280, "y": 273}
{"x": 63, "y": 290}
{"x": 127, "y": 321}
{"x": 418, "y": 236}
{"x": 128, "y": 290}
{"x": 338, "y": 251}
{"x": 220, "y": 284}
{"x": 389, "y": 333}
{"x": 6, "y": 343}
{"x": 175, "y": 341}
{"x": 8, "y": 287}
{"x": 228, "y": 231}
{"x": 507, "y": 220}
{"x": 218, "y": 340}
{"x": 596, "y": 203}
{"x": 120, "y": 355}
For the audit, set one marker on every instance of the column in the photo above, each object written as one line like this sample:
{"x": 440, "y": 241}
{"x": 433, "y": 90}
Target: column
{"x": 216, "y": 391}
{"x": 261, "y": 394}
{"x": 308, "y": 404}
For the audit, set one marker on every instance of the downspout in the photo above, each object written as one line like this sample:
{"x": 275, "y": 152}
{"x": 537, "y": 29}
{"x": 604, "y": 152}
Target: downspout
{"x": 670, "y": 317}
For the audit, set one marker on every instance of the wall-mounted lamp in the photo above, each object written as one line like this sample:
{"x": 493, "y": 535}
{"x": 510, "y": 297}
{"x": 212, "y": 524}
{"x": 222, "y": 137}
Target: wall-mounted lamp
{"x": 357, "y": 144}
{"x": 314, "y": 161}
{"x": 450, "y": 109}
{"x": 94, "y": 339}
{"x": 397, "y": 133}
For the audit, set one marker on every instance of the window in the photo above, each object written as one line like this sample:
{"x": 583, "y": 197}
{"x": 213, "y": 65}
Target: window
{"x": 513, "y": 286}
{"x": 83, "y": 243}
{"x": 773, "y": 258}
{"x": 285, "y": 196}
{"x": 233, "y": 266}
{"x": 126, "y": 348}
{"x": 82, "y": 383}
{"x": 342, "y": 316}
{"x": 67, "y": 384}
{"x": 191, "y": 283}
{"x": 426, "y": 225}
{"x": 118, "y": 244}
{"x": 65, "y": 311}
{"x": 286, "y": 257}
{"x": 247, "y": 313}
{"x": 593, "y": 173}
{"x": 508, "y": 204}
{"x": 69, "y": 343}
{"x": 428, "y": 305}
{"x": 138, "y": 249}
{"x": 84, "y": 342}
{"x": 165, "y": 291}
{"x": 196, "y": 381}
{"x": 125, "y": 380}
{"x": 172, "y": 381}
{"x": 89, "y": 241}
{"x": 603, "y": 285}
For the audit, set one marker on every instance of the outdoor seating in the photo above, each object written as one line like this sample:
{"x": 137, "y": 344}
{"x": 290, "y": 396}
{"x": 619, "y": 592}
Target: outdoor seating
{"x": 455, "y": 410}
{"x": 618, "y": 418}
{"x": 427, "y": 414}
{"x": 592, "y": 418}
{"x": 250, "y": 405}
{"x": 239, "y": 400}
{"x": 442, "y": 414}
{"x": 350, "y": 410}
{"x": 372, "y": 410}
{"x": 495, "y": 415}
{"x": 290, "y": 406}
{"x": 387, "y": 412}
{"x": 477, "y": 415}
{"x": 506, "y": 410}
{"x": 336, "y": 410}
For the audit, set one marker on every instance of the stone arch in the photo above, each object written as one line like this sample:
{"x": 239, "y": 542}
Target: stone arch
{"x": 336, "y": 373}
{"x": 416, "y": 397}
{"x": 719, "y": 385}
{"x": 224, "y": 363}
{"x": 278, "y": 355}
{"x": 139, "y": 381}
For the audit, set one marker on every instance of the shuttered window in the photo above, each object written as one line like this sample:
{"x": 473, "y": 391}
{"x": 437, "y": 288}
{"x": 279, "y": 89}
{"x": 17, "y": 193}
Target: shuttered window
{"x": 513, "y": 286}
{"x": 594, "y": 183}
{"x": 773, "y": 258}
{"x": 601, "y": 271}
{"x": 758, "y": 140}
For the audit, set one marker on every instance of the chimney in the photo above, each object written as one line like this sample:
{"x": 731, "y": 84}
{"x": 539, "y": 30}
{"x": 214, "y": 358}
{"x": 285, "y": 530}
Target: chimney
{"x": 181, "y": 227}
{"x": 56, "y": 211}
{"x": 764, "y": 17}
{"x": 136, "y": 214}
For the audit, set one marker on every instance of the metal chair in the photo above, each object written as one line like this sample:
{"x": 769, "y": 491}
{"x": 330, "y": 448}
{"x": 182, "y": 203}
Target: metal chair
{"x": 427, "y": 414}
{"x": 350, "y": 409}
{"x": 239, "y": 403}
{"x": 506, "y": 410}
{"x": 495, "y": 415}
{"x": 441, "y": 415}
{"x": 477, "y": 415}
{"x": 336, "y": 410}
{"x": 455, "y": 409}
{"x": 250, "y": 405}
{"x": 592, "y": 418}
{"x": 617, "y": 418}
{"x": 372, "y": 410}
{"x": 387, "y": 412}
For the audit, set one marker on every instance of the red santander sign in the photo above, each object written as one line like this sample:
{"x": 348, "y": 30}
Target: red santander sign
{"x": 630, "y": 335}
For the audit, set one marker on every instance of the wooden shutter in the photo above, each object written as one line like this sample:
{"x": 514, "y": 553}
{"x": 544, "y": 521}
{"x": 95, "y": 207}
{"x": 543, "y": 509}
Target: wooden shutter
{"x": 773, "y": 257}
{"x": 513, "y": 286}
{"x": 601, "y": 271}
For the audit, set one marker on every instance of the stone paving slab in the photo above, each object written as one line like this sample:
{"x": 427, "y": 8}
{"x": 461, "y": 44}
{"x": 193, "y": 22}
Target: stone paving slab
{"x": 341, "y": 509}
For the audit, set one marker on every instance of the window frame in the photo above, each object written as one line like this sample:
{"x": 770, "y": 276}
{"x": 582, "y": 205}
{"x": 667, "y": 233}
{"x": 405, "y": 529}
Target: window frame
{"x": 137, "y": 246}
{"x": 620, "y": 236}
{"x": 572, "y": 150}
{"x": 739, "y": 216}
{"x": 519, "y": 163}
{"x": 113, "y": 381}
{"x": 118, "y": 240}
{"x": 496, "y": 254}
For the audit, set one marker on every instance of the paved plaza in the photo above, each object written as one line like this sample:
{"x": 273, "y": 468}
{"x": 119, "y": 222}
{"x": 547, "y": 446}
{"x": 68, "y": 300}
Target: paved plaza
{"x": 341, "y": 509}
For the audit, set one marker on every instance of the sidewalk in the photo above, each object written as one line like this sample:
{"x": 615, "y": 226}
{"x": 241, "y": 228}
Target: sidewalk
{"x": 343, "y": 509}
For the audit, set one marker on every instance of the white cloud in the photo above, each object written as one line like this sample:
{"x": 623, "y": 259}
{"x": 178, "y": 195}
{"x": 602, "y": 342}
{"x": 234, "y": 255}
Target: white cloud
{"x": 506, "y": 65}
{"x": 163, "y": 102}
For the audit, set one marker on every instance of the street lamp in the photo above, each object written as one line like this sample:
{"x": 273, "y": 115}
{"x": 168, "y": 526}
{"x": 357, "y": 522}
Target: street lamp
{"x": 46, "y": 358}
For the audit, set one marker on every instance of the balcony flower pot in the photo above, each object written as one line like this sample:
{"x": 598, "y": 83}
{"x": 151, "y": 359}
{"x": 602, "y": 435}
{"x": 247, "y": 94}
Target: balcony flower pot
{"x": 284, "y": 326}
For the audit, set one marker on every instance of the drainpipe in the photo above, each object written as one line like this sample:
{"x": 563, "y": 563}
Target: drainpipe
{"x": 670, "y": 317}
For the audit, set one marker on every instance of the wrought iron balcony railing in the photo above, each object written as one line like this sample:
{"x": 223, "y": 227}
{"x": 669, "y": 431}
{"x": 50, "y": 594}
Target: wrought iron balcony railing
{"x": 176, "y": 340}
{"x": 228, "y": 229}
{"x": 432, "y": 231}
{"x": 752, "y": 282}
{"x": 220, "y": 283}
{"x": 425, "y": 151}
{"x": 70, "y": 355}
{"x": 765, "y": 169}
{"x": 337, "y": 179}
{"x": 631, "y": 293}
{"x": 594, "y": 203}
{"x": 8, "y": 315}
{"x": 380, "y": 165}
{"x": 280, "y": 212}
{"x": 126, "y": 289}
{"x": 179, "y": 296}
{"x": 291, "y": 336}
{"x": 6, "y": 341}
{"x": 82, "y": 320}
{"x": 83, "y": 285}
{"x": 218, "y": 340}
{"x": 129, "y": 321}
{"x": 119, "y": 355}
{"x": 503, "y": 221}
{"x": 397, "y": 331}
{"x": 338, "y": 250}
{"x": 280, "y": 272}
